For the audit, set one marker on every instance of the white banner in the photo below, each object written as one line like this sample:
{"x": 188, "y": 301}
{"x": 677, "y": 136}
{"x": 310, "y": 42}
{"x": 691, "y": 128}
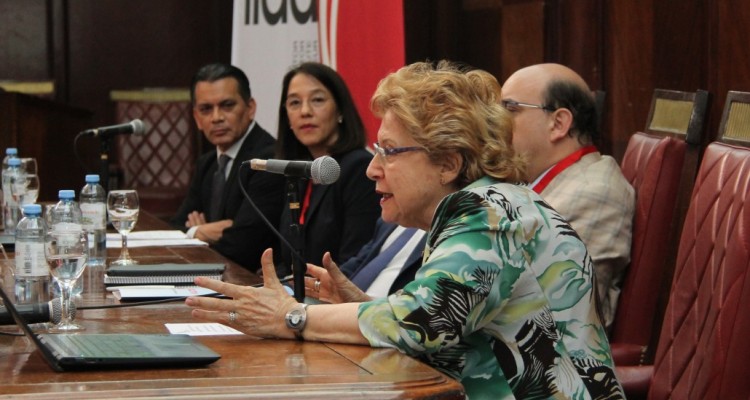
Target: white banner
{"x": 362, "y": 40}
{"x": 269, "y": 37}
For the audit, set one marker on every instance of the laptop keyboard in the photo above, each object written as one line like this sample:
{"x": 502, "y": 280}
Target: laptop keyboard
{"x": 124, "y": 346}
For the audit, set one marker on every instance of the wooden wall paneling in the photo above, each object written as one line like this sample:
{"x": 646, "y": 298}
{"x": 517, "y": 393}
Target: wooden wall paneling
{"x": 431, "y": 29}
{"x": 418, "y": 26}
{"x": 522, "y": 35}
{"x": 58, "y": 52}
{"x": 24, "y": 38}
{"x": 125, "y": 44}
{"x": 465, "y": 31}
{"x": 45, "y": 129}
{"x": 680, "y": 44}
{"x": 628, "y": 74}
{"x": 480, "y": 35}
{"x": 574, "y": 37}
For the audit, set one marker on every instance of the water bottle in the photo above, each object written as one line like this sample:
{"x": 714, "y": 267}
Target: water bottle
{"x": 31, "y": 272}
{"x": 66, "y": 216}
{"x": 94, "y": 220}
{"x": 12, "y": 213}
{"x": 10, "y": 152}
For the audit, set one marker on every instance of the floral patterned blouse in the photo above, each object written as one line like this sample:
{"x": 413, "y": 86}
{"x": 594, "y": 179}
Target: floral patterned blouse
{"x": 504, "y": 301}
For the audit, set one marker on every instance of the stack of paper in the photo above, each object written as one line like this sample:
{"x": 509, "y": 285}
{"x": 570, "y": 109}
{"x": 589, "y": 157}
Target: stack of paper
{"x": 158, "y": 281}
{"x": 153, "y": 238}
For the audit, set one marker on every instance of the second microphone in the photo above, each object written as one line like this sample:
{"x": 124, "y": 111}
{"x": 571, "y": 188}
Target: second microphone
{"x": 323, "y": 170}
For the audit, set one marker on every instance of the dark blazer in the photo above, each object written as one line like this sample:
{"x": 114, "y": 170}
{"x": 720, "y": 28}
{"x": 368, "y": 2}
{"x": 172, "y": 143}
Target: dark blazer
{"x": 341, "y": 216}
{"x": 247, "y": 238}
{"x": 372, "y": 249}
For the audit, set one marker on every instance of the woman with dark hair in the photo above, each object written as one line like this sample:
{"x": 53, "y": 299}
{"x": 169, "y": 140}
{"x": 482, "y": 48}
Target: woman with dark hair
{"x": 317, "y": 117}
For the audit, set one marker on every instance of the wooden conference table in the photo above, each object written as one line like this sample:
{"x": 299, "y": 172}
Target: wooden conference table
{"x": 248, "y": 368}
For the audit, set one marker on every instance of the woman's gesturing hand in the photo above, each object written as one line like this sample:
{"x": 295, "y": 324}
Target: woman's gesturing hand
{"x": 330, "y": 285}
{"x": 258, "y": 312}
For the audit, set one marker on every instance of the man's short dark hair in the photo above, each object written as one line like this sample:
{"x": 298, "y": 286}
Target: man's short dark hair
{"x": 580, "y": 102}
{"x": 217, "y": 71}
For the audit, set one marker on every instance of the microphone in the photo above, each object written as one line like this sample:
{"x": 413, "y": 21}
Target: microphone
{"x": 50, "y": 311}
{"x": 134, "y": 127}
{"x": 323, "y": 170}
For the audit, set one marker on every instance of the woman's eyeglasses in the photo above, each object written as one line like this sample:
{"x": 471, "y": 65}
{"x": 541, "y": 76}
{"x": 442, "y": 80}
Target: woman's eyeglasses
{"x": 385, "y": 153}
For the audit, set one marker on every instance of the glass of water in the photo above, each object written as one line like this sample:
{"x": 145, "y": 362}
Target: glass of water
{"x": 29, "y": 165}
{"x": 123, "y": 208}
{"x": 31, "y": 189}
{"x": 65, "y": 252}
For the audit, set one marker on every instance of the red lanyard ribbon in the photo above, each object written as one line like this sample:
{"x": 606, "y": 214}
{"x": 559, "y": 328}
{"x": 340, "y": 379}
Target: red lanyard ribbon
{"x": 560, "y": 167}
{"x": 305, "y": 203}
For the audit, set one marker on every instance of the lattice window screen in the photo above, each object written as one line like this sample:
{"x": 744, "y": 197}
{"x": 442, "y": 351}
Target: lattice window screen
{"x": 159, "y": 163}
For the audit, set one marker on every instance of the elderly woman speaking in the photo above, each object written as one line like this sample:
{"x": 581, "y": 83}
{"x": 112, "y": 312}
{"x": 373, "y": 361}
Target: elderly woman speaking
{"x": 504, "y": 301}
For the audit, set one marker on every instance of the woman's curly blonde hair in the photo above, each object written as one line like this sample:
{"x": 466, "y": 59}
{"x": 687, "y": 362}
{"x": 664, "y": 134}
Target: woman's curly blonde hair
{"x": 449, "y": 109}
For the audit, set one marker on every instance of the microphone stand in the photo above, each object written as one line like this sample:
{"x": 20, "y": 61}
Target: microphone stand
{"x": 295, "y": 238}
{"x": 104, "y": 163}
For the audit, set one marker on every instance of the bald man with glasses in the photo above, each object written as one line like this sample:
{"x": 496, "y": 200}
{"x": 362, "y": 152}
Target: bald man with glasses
{"x": 555, "y": 128}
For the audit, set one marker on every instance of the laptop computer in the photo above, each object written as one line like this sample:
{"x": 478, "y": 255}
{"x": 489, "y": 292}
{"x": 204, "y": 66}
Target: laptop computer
{"x": 83, "y": 351}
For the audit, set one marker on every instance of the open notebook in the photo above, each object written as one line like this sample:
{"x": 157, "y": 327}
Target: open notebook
{"x": 80, "y": 351}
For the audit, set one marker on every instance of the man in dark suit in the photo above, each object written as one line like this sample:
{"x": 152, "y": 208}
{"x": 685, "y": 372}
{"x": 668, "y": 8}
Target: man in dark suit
{"x": 387, "y": 262}
{"x": 215, "y": 209}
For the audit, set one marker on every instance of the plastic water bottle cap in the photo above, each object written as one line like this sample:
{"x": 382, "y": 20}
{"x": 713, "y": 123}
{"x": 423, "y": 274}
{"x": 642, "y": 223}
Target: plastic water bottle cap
{"x": 14, "y": 162}
{"x": 92, "y": 178}
{"x": 32, "y": 209}
{"x": 11, "y": 150}
{"x": 66, "y": 194}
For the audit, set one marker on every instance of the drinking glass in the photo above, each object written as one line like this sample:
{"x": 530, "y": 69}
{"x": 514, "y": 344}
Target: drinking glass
{"x": 65, "y": 251}
{"x": 122, "y": 207}
{"x": 28, "y": 165}
{"x": 31, "y": 189}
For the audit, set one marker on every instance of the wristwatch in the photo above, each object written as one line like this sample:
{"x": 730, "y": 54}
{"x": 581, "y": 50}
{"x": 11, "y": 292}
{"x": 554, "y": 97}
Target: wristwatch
{"x": 296, "y": 319}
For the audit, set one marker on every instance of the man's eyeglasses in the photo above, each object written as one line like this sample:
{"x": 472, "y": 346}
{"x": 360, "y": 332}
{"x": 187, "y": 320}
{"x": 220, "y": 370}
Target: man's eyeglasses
{"x": 392, "y": 151}
{"x": 515, "y": 106}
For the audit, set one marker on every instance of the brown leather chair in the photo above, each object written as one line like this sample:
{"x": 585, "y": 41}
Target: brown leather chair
{"x": 654, "y": 165}
{"x": 160, "y": 163}
{"x": 703, "y": 347}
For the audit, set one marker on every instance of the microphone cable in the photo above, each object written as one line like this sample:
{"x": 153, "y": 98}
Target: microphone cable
{"x": 265, "y": 220}
{"x": 76, "y": 153}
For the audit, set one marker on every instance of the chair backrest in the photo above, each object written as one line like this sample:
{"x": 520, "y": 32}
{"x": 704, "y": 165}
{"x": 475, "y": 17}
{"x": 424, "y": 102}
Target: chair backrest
{"x": 703, "y": 347}
{"x": 677, "y": 112}
{"x": 735, "y": 121}
{"x": 655, "y": 165}
{"x": 160, "y": 163}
